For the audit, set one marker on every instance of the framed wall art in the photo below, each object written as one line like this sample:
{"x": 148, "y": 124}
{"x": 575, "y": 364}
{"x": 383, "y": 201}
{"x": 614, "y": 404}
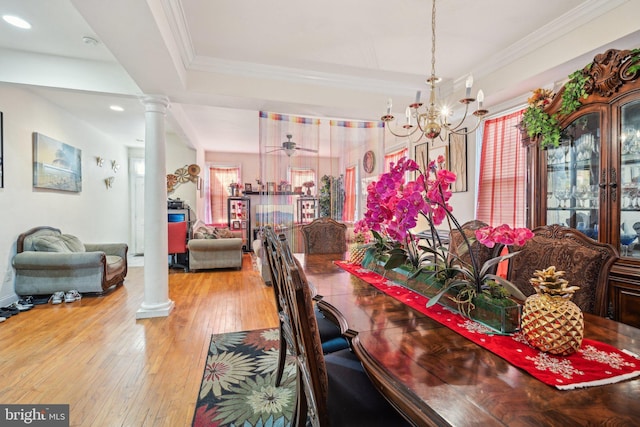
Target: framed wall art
{"x": 437, "y": 151}
{"x": 458, "y": 161}
{"x": 56, "y": 165}
{"x": 421, "y": 155}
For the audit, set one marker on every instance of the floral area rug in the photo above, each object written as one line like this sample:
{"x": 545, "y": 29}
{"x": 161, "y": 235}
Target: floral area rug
{"x": 238, "y": 385}
{"x": 595, "y": 363}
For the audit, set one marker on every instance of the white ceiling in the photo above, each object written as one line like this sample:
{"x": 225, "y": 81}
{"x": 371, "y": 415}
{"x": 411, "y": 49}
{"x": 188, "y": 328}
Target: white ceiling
{"x": 222, "y": 61}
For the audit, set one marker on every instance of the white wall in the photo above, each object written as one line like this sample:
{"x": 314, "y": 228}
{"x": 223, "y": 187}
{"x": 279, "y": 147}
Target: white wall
{"x": 179, "y": 156}
{"x": 96, "y": 214}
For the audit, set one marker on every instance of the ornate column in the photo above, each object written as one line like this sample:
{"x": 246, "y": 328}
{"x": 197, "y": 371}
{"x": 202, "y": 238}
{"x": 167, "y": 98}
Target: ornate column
{"x": 156, "y": 275}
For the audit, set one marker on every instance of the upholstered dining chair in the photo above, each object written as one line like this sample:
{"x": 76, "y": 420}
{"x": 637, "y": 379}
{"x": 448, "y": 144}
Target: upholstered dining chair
{"x": 177, "y": 243}
{"x": 332, "y": 389}
{"x": 458, "y": 247}
{"x": 324, "y": 236}
{"x": 586, "y": 264}
{"x": 330, "y": 333}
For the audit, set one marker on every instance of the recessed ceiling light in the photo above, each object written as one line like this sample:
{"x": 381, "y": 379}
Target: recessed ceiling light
{"x": 16, "y": 22}
{"x": 116, "y": 108}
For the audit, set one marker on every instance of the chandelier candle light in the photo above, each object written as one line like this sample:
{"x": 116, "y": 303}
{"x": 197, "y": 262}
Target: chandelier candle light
{"x": 432, "y": 121}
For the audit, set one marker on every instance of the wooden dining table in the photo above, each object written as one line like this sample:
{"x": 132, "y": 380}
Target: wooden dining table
{"x": 436, "y": 377}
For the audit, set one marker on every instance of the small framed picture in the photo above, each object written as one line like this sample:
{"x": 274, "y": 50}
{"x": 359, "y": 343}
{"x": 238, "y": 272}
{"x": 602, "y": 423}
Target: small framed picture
{"x": 297, "y": 190}
{"x": 247, "y": 187}
{"x": 287, "y": 188}
{"x": 271, "y": 187}
{"x": 244, "y": 224}
{"x": 235, "y": 225}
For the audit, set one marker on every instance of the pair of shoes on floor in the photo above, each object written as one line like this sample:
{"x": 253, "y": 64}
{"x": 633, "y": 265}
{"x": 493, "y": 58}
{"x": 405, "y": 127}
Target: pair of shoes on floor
{"x": 69, "y": 296}
{"x": 57, "y": 297}
{"x": 21, "y": 305}
{"x": 8, "y": 311}
{"x": 72, "y": 295}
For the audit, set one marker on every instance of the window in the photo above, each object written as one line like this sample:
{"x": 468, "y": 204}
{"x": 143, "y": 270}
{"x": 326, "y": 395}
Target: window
{"x": 393, "y": 157}
{"x": 501, "y": 182}
{"x": 300, "y": 176}
{"x": 220, "y": 179}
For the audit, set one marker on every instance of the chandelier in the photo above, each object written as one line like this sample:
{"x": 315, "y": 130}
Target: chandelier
{"x": 433, "y": 121}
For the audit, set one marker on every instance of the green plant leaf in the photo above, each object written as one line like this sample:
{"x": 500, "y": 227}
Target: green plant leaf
{"x": 510, "y": 287}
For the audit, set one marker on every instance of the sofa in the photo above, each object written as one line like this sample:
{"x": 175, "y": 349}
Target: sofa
{"x": 49, "y": 261}
{"x": 213, "y": 247}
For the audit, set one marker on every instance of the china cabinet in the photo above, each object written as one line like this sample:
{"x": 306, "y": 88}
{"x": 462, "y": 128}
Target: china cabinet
{"x": 591, "y": 181}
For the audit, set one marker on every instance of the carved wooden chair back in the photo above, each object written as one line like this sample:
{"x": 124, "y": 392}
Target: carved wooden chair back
{"x": 458, "y": 246}
{"x": 324, "y": 236}
{"x": 273, "y": 251}
{"x": 333, "y": 387}
{"x": 585, "y": 261}
{"x": 312, "y": 380}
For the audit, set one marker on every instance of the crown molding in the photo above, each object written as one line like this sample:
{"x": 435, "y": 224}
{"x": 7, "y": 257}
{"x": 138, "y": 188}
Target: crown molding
{"x": 562, "y": 25}
{"x": 405, "y": 86}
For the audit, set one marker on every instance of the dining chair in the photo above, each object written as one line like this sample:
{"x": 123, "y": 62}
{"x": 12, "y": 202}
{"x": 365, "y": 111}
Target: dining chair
{"x": 324, "y": 236}
{"x": 177, "y": 243}
{"x": 458, "y": 246}
{"x": 586, "y": 264}
{"x": 332, "y": 389}
{"x": 330, "y": 333}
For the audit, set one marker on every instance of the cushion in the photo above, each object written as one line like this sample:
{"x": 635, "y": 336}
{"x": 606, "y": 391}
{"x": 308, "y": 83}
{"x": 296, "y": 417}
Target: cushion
{"x": 73, "y": 243}
{"x": 204, "y": 232}
{"x": 58, "y": 243}
{"x": 225, "y": 233}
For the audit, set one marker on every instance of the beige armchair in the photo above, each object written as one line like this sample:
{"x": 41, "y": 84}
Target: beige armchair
{"x": 48, "y": 261}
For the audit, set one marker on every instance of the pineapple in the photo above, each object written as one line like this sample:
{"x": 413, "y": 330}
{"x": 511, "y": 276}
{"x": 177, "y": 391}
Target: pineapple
{"x": 550, "y": 321}
{"x": 357, "y": 252}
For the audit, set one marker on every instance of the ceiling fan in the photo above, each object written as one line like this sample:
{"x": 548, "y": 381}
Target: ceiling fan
{"x": 289, "y": 147}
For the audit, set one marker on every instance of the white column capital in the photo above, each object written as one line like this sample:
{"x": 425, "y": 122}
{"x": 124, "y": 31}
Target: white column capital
{"x": 155, "y": 103}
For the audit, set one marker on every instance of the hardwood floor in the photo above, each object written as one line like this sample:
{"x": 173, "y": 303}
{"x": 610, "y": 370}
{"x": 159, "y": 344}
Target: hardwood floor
{"x": 114, "y": 370}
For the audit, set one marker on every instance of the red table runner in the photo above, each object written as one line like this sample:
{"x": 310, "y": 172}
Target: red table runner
{"x": 595, "y": 363}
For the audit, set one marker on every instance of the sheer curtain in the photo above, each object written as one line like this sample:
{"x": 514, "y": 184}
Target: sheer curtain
{"x": 220, "y": 177}
{"x": 350, "y": 140}
{"x": 502, "y": 178}
{"x": 277, "y": 165}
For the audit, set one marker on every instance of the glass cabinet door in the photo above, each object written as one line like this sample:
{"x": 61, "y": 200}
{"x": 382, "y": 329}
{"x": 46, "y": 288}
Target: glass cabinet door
{"x": 630, "y": 180}
{"x": 573, "y": 173}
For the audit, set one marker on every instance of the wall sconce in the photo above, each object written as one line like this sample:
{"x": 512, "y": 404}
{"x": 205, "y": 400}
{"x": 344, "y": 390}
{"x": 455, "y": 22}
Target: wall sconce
{"x": 115, "y": 166}
{"x": 109, "y": 181}
{"x": 99, "y": 161}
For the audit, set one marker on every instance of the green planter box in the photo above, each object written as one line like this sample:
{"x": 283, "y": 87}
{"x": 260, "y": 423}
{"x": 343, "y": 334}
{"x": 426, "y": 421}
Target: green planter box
{"x": 502, "y": 316}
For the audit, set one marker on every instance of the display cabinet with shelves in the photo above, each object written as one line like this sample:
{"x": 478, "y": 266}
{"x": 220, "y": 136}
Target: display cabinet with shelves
{"x": 239, "y": 219}
{"x": 307, "y": 209}
{"x": 591, "y": 182}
